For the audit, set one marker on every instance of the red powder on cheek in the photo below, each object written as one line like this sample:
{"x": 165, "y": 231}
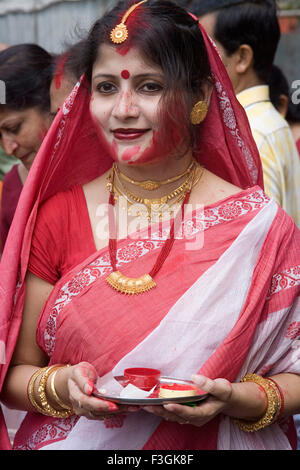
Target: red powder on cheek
{"x": 125, "y": 74}
{"x": 128, "y": 155}
{"x": 160, "y": 147}
{"x": 106, "y": 148}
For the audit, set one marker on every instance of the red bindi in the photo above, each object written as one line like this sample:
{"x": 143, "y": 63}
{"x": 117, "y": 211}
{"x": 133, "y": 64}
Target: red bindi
{"x": 125, "y": 74}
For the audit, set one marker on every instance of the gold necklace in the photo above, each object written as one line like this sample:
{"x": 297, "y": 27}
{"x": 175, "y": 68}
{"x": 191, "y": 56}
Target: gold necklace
{"x": 144, "y": 283}
{"x": 155, "y": 208}
{"x": 141, "y": 211}
{"x": 157, "y": 202}
{"x": 151, "y": 185}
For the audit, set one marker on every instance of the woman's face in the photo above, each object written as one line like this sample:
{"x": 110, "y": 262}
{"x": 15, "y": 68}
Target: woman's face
{"x": 22, "y": 132}
{"x": 126, "y": 93}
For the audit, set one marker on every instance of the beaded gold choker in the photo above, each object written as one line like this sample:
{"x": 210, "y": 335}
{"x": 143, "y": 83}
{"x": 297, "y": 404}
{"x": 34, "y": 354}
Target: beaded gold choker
{"x": 151, "y": 185}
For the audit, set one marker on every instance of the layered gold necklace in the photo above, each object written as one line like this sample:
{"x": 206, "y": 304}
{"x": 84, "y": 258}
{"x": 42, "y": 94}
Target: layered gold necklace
{"x": 145, "y": 282}
{"x": 154, "y": 208}
{"x": 151, "y": 185}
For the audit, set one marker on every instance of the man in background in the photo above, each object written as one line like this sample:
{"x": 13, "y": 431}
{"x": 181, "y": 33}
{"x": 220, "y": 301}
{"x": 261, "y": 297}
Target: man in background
{"x": 247, "y": 34}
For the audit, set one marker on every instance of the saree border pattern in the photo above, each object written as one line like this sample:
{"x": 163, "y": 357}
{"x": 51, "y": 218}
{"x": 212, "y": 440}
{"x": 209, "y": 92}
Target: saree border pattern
{"x": 222, "y": 213}
{"x": 230, "y": 121}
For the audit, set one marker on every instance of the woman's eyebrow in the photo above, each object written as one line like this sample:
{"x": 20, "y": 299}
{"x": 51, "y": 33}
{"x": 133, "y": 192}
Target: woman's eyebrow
{"x": 9, "y": 122}
{"x": 138, "y": 76}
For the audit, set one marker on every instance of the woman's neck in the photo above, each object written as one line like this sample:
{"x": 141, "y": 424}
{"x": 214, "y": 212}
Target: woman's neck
{"x": 23, "y": 173}
{"x": 156, "y": 171}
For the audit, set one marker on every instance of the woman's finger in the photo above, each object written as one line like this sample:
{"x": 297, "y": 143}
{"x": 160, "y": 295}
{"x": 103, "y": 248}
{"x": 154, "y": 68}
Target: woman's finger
{"x": 85, "y": 376}
{"x": 82, "y": 402}
{"x": 219, "y": 388}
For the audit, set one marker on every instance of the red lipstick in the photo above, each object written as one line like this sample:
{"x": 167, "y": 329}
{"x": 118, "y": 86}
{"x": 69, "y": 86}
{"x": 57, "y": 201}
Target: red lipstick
{"x": 129, "y": 134}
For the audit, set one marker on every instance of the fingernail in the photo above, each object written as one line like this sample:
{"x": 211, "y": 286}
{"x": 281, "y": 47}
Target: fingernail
{"x": 198, "y": 379}
{"x": 88, "y": 389}
{"x": 112, "y": 406}
{"x": 169, "y": 407}
{"x": 133, "y": 408}
{"x": 91, "y": 384}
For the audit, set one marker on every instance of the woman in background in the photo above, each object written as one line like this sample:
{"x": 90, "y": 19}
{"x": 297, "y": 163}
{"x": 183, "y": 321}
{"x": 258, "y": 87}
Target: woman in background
{"x": 27, "y": 71}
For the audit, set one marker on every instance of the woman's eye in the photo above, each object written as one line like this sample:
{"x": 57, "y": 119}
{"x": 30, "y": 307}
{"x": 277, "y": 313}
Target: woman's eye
{"x": 106, "y": 87}
{"x": 151, "y": 87}
{"x": 15, "y": 129}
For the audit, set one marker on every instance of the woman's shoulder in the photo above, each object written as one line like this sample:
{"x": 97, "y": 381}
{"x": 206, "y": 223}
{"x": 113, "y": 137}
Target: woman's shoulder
{"x": 213, "y": 189}
{"x": 64, "y": 199}
{"x": 12, "y": 176}
{"x": 95, "y": 191}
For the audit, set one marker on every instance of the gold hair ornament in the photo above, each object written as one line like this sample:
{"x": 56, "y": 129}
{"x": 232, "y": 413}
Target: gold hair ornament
{"x": 120, "y": 33}
{"x": 199, "y": 112}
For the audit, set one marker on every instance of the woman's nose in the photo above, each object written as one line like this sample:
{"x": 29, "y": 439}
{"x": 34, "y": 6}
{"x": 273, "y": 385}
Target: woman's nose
{"x": 9, "y": 145}
{"x": 125, "y": 106}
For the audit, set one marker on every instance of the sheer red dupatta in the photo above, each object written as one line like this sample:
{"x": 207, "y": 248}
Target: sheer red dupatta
{"x": 72, "y": 154}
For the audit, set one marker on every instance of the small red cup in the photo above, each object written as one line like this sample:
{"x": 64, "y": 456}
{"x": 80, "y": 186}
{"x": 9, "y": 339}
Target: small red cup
{"x": 142, "y": 377}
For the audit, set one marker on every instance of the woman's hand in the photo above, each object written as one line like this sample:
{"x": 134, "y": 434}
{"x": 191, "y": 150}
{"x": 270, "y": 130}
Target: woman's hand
{"x": 220, "y": 392}
{"x": 80, "y": 382}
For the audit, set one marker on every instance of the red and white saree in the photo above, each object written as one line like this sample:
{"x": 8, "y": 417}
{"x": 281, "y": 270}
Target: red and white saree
{"x": 224, "y": 307}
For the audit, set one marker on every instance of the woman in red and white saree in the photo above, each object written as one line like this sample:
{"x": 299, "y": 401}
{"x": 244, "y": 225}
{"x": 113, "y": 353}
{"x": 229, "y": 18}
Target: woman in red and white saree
{"x": 226, "y": 297}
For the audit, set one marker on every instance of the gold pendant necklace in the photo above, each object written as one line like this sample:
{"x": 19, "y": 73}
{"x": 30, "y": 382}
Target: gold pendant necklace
{"x": 130, "y": 285}
{"x": 144, "y": 283}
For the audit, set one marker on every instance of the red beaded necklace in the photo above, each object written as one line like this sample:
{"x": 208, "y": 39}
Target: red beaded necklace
{"x": 145, "y": 282}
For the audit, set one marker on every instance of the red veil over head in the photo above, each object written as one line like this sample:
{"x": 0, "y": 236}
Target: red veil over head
{"x": 72, "y": 154}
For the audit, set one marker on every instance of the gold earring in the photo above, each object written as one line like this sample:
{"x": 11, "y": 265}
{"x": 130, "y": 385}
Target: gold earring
{"x": 199, "y": 112}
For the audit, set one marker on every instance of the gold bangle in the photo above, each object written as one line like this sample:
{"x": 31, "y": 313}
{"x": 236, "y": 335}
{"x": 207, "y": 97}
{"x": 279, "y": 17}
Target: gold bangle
{"x": 30, "y": 389}
{"x": 47, "y": 408}
{"x": 273, "y": 407}
{"x": 53, "y": 390}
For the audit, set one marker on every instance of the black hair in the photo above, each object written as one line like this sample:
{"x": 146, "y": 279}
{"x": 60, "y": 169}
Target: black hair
{"x": 26, "y": 70}
{"x": 252, "y": 22}
{"x": 167, "y": 36}
{"x": 293, "y": 114}
{"x": 278, "y": 85}
{"x": 67, "y": 63}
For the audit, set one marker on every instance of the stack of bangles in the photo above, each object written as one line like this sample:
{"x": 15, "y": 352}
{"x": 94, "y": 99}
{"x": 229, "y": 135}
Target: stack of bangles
{"x": 275, "y": 404}
{"x": 45, "y": 407}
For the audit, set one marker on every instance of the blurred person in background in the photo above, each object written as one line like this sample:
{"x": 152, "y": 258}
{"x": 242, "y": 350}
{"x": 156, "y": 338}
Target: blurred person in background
{"x": 30, "y": 101}
{"x": 284, "y": 102}
{"x": 27, "y": 71}
{"x": 246, "y": 34}
{"x": 38, "y": 86}
{"x": 66, "y": 75}
{"x": 6, "y": 162}
{"x": 279, "y": 90}
{"x": 293, "y": 117}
